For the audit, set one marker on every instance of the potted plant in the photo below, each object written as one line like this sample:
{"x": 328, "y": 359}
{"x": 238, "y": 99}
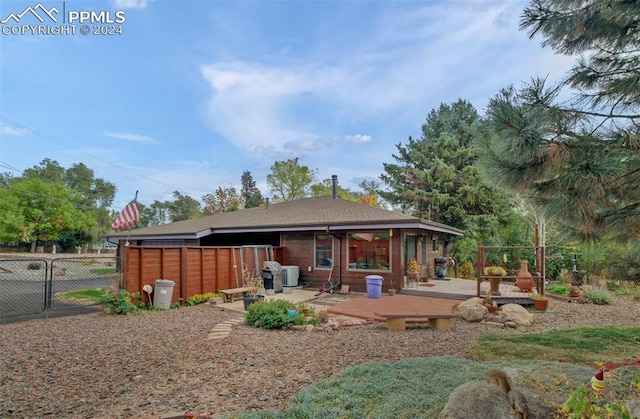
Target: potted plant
{"x": 413, "y": 268}
{"x": 540, "y": 302}
{"x": 304, "y": 308}
{"x": 495, "y": 274}
{"x": 391, "y": 290}
{"x": 254, "y": 286}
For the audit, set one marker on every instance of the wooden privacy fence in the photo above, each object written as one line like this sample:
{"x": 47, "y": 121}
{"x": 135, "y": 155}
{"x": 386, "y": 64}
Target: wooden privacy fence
{"x": 195, "y": 270}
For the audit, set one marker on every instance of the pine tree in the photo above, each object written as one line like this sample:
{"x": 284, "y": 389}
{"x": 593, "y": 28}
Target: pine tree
{"x": 578, "y": 158}
{"x": 250, "y": 194}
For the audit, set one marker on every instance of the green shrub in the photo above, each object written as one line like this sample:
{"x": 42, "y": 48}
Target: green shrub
{"x": 587, "y": 403}
{"x": 616, "y": 288}
{"x": 495, "y": 271}
{"x": 466, "y": 270}
{"x": 117, "y": 301}
{"x": 599, "y": 297}
{"x": 200, "y": 298}
{"x": 34, "y": 266}
{"x": 557, "y": 289}
{"x": 272, "y": 315}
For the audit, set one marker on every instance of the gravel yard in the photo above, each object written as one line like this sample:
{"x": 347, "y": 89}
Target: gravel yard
{"x": 101, "y": 366}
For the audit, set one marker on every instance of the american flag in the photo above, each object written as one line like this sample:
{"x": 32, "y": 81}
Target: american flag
{"x": 128, "y": 218}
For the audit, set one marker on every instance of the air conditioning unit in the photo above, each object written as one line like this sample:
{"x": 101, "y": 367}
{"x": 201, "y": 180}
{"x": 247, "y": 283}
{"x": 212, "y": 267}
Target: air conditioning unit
{"x": 291, "y": 276}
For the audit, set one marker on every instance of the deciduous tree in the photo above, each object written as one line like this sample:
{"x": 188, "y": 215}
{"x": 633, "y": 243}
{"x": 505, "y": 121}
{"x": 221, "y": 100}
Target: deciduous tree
{"x": 35, "y": 210}
{"x": 222, "y": 200}
{"x": 288, "y": 180}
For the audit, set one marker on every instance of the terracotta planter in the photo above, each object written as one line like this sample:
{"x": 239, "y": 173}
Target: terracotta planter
{"x": 540, "y": 305}
{"x": 524, "y": 280}
{"x": 495, "y": 285}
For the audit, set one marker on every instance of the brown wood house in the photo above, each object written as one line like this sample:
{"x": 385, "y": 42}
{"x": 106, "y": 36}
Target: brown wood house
{"x": 322, "y": 236}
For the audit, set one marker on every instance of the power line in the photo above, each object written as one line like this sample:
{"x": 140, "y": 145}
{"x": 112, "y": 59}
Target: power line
{"x": 121, "y": 172}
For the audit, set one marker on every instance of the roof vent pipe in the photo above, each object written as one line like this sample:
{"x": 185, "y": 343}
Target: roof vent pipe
{"x": 266, "y": 203}
{"x": 334, "y": 186}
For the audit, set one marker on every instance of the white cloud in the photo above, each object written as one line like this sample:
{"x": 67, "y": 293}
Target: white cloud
{"x": 385, "y": 75}
{"x": 356, "y": 139}
{"x": 129, "y": 137}
{"x": 129, "y": 4}
{"x": 14, "y": 132}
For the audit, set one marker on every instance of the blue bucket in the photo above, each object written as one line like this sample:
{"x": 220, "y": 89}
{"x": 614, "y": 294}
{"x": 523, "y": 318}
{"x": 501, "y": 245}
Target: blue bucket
{"x": 374, "y": 286}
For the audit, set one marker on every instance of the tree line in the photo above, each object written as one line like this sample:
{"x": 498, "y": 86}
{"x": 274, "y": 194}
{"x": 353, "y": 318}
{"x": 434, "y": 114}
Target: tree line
{"x": 562, "y": 157}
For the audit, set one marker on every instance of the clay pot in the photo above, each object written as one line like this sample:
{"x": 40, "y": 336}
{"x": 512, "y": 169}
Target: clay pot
{"x": 540, "y": 305}
{"x": 494, "y": 281}
{"x": 524, "y": 279}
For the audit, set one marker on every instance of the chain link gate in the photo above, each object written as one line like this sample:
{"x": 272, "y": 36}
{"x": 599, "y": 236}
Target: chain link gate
{"x": 33, "y": 286}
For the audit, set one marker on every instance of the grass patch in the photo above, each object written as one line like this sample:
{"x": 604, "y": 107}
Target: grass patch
{"x": 420, "y": 387}
{"x": 80, "y": 296}
{"x": 583, "y": 345}
{"x": 103, "y": 271}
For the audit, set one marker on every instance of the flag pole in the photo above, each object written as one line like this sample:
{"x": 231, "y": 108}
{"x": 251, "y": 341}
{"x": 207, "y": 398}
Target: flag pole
{"x": 126, "y": 243}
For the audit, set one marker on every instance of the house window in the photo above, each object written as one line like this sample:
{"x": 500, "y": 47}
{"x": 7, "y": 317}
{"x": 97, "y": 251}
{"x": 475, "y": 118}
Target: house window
{"x": 369, "y": 251}
{"x": 324, "y": 251}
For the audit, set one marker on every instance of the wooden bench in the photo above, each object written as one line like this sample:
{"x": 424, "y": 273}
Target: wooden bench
{"x": 230, "y": 294}
{"x": 398, "y": 321}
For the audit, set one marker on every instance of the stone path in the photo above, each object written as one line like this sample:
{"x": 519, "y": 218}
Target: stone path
{"x": 222, "y": 330}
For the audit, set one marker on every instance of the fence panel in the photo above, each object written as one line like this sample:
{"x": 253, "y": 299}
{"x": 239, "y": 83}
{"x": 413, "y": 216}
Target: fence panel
{"x": 23, "y": 287}
{"x": 79, "y": 282}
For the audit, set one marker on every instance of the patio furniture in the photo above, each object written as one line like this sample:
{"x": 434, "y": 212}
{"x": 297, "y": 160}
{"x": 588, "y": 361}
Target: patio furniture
{"x": 398, "y": 321}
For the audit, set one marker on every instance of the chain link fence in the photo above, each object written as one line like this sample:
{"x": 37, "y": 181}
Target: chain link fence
{"x": 35, "y": 286}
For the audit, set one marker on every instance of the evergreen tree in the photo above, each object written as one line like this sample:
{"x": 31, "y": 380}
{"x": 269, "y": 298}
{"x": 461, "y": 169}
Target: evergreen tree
{"x": 578, "y": 158}
{"x": 435, "y": 177}
{"x": 250, "y": 194}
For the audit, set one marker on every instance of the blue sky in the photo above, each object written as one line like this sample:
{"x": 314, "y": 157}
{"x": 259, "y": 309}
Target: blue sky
{"x": 193, "y": 93}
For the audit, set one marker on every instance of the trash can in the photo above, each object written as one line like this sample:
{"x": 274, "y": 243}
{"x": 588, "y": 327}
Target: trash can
{"x": 162, "y": 293}
{"x": 374, "y": 286}
{"x": 441, "y": 267}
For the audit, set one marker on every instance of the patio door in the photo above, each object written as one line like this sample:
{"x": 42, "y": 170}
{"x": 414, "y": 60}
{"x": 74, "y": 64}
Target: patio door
{"x": 411, "y": 248}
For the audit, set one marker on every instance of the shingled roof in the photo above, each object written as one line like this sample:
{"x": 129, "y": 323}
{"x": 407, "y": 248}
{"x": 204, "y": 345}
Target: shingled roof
{"x": 307, "y": 214}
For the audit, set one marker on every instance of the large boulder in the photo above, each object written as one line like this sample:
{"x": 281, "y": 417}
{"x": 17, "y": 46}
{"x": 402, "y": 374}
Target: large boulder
{"x": 482, "y": 400}
{"x": 478, "y": 400}
{"x": 471, "y": 310}
{"x": 518, "y": 314}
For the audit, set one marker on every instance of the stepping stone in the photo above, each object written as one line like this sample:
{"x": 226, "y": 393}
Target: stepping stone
{"x": 216, "y": 337}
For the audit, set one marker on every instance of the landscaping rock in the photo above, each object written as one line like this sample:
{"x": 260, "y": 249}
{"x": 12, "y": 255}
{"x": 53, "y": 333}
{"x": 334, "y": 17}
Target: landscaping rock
{"x": 471, "y": 310}
{"x": 482, "y": 400}
{"x": 479, "y": 400}
{"x": 518, "y": 314}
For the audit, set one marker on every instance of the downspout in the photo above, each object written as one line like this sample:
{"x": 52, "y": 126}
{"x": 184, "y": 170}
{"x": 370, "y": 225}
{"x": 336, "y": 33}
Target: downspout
{"x": 339, "y": 254}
